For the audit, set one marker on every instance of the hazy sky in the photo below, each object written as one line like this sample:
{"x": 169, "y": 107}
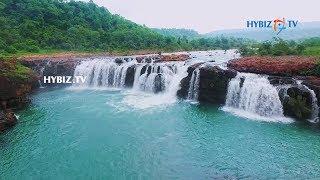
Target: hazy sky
{"x": 208, "y": 15}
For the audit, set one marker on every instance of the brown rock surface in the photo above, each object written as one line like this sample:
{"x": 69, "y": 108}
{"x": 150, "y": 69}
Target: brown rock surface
{"x": 278, "y": 65}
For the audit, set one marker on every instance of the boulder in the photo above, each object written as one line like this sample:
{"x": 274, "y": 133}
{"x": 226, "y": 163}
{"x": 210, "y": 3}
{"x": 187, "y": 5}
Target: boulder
{"x": 159, "y": 83}
{"x": 185, "y": 82}
{"x": 7, "y": 119}
{"x": 213, "y": 84}
{"x": 119, "y": 61}
{"x": 130, "y": 76}
{"x": 139, "y": 59}
{"x": 297, "y": 102}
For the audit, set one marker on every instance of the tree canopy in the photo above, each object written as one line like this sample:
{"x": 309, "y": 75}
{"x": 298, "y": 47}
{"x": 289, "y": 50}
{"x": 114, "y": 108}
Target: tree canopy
{"x": 34, "y": 25}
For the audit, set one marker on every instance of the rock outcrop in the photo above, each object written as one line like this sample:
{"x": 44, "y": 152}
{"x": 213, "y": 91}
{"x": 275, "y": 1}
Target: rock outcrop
{"x": 52, "y": 67}
{"x": 297, "y": 103}
{"x": 7, "y": 119}
{"x": 16, "y": 82}
{"x": 162, "y": 58}
{"x": 279, "y": 65}
{"x": 130, "y": 76}
{"x": 213, "y": 85}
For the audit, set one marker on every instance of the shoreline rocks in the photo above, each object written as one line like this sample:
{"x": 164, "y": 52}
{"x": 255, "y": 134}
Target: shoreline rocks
{"x": 52, "y": 67}
{"x": 15, "y": 85}
{"x": 7, "y": 119}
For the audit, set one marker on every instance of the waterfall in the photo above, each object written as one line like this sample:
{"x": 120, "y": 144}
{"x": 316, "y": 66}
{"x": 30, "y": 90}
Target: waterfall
{"x": 154, "y": 77}
{"x": 315, "y": 108}
{"x": 149, "y": 77}
{"x": 254, "y": 94}
{"x": 193, "y": 91}
{"x": 102, "y": 73}
{"x": 41, "y": 70}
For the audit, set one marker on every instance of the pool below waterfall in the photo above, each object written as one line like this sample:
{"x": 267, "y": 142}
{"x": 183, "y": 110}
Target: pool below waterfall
{"x": 123, "y": 134}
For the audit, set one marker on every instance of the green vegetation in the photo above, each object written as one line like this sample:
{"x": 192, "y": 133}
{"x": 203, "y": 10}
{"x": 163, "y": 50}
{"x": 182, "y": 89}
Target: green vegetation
{"x": 280, "y": 47}
{"x": 312, "y": 72}
{"x": 178, "y": 33}
{"x": 312, "y": 46}
{"x": 276, "y": 47}
{"x": 37, "y": 26}
{"x": 34, "y": 25}
{"x": 14, "y": 70}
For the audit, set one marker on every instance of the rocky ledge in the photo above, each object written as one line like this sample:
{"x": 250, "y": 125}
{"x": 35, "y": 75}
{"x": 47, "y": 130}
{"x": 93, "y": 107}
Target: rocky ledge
{"x": 16, "y": 82}
{"x": 52, "y": 66}
{"x": 213, "y": 84}
{"x": 277, "y": 65}
{"x": 162, "y": 58}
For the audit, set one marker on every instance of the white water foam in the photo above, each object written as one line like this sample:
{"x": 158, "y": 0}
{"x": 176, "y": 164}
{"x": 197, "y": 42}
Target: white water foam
{"x": 252, "y": 96}
{"x": 154, "y": 84}
{"x": 193, "y": 92}
{"x": 315, "y": 108}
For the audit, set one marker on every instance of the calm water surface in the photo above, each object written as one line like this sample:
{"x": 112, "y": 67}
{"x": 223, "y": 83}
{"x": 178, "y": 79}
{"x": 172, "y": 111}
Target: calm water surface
{"x": 112, "y": 134}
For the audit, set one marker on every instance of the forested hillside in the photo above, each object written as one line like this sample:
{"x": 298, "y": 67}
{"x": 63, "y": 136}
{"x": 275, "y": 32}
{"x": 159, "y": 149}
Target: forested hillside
{"x": 179, "y": 33}
{"x": 31, "y": 25}
{"x": 59, "y": 25}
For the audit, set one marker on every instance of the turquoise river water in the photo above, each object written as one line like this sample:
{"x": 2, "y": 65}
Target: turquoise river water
{"x": 113, "y": 134}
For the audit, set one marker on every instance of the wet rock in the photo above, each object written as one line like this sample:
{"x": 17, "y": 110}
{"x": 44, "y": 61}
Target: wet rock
{"x": 281, "y": 80}
{"x": 296, "y": 102}
{"x": 47, "y": 67}
{"x": 149, "y": 69}
{"x": 185, "y": 82}
{"x": 213, "y": 84}
{"x": 130, "y": 76}
{"x": 14, "y": 90}
{"x": 118, "y": 61}
{"x": 314, "y": 84}
{"x": 7, "y": 119}
{"x": 13, "y": 93}
{"x": 159, "y": 83}
{"x": 147, "y": 60}
{"x": 143, "y": 70}
{"x": 139, "y": 59}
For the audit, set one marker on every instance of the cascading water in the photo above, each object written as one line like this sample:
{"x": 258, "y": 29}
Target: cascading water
{"x": 102, "y": 73}
{"x": 154, "y": 77}
{"x": 149, "y": 77}
{"x": 315, "y": 108}
{"x": 253, "y": 94}
{"x": 193, "y": 91}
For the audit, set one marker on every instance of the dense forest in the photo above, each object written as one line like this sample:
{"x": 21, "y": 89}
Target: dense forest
{"x": 178, "y": 33}
{"x": 59, "y": 25}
